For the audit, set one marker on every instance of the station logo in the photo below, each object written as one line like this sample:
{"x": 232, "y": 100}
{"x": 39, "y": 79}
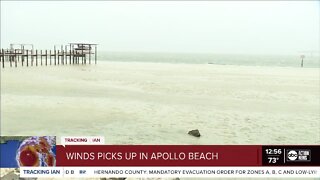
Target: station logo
{"x": 299, "y": 155}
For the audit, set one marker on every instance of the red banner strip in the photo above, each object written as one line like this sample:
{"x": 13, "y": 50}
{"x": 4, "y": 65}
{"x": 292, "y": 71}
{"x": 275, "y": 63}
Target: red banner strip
{"x": 159, "y": 155}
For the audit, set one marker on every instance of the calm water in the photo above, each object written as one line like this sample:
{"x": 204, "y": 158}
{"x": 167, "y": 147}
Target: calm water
{"x": 251, "y": 60}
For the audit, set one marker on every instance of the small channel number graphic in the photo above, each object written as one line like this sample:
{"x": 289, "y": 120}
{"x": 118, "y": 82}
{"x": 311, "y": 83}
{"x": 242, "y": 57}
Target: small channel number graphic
{"x": 299, "y": 155}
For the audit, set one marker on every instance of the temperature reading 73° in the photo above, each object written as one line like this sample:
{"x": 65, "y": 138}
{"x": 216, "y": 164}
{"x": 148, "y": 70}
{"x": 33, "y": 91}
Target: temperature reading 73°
{"x": 273, "y": 160}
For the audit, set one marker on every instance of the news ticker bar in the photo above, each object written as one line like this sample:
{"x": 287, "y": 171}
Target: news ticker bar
{"x": 171, "y": 172}
{"x": 186, "y": 155}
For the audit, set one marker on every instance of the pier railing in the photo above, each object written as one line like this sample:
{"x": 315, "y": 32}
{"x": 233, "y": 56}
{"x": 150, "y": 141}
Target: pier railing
{"x": 77, "y": 54}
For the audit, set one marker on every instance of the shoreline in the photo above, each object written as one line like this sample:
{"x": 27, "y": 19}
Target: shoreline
{"x": 105, "y": 62}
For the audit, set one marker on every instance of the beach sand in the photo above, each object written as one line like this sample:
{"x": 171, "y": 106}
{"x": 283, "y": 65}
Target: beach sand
{"x": 158, "y": 103}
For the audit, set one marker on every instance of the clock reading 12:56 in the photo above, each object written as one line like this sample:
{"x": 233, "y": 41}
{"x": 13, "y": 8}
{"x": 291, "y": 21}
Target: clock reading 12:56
{"x": 273, "y": 151}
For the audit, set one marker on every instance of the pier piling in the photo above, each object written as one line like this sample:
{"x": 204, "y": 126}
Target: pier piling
{"x": 76, "y": 52}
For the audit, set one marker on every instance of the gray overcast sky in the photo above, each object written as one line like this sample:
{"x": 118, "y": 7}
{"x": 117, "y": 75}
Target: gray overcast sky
{"x": 248, "y": 27}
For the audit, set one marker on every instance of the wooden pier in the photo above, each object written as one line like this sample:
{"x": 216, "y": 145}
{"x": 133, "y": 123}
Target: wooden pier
{"x": 25, "y": 55}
